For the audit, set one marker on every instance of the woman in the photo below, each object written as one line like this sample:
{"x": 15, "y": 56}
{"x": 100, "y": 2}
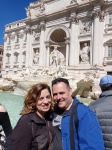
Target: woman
{"x": 6, "y": 126}
{"x": 34, "y": 130}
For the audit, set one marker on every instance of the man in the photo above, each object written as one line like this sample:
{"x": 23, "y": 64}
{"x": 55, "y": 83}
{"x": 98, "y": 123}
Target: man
{"x": 103, "y": 109}
{"x": 89, "y": 134}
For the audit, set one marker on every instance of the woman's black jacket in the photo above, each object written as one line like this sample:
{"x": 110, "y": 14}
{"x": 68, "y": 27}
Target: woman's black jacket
{"x": 32, "y": 133}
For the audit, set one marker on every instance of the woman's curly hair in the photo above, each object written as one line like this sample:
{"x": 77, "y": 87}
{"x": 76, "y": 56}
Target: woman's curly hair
{"x": 32, "y": 96}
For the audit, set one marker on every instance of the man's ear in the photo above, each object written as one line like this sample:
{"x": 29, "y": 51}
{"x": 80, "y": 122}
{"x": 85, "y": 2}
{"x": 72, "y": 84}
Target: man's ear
{"x": 70, "y": 90}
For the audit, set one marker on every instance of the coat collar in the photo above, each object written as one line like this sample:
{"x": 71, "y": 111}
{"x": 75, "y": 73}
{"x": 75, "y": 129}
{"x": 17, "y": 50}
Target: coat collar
{"x": 35, "y": 118}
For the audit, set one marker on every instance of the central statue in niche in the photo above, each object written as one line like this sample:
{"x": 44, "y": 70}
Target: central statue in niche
{"x": 56, "y": 58}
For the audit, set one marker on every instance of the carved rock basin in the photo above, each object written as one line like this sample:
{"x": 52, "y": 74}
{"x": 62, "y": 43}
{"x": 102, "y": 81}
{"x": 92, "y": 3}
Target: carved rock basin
{"x": 23, "y": 86}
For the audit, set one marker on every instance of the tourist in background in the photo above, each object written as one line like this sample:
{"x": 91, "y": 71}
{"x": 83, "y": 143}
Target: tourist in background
{"x": 34, "y": 129}
{"x": 87, "y": 135}
{"x": 6, "y": 127}
{"x": 103, "y": 109}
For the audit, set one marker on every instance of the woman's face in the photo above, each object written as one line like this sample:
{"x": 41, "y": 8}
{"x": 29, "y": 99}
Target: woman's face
{"x": 44, "y": 102}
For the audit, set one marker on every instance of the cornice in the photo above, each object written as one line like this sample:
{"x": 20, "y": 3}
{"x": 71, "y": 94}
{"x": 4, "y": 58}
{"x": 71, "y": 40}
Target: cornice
{"x": 102, "y": 3}
{"x": 73, "y": 6}
{"x": 14, "y": 30}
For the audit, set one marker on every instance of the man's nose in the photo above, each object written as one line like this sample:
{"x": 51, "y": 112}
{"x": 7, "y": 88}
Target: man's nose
{"x": 58, "y": 96}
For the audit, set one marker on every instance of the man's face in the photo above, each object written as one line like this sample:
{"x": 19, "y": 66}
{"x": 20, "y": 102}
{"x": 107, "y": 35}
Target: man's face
{"x": 62, "y": 95}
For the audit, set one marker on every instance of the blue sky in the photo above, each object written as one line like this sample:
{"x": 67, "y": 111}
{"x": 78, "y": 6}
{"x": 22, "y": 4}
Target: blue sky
{"x": 11, "y": 11}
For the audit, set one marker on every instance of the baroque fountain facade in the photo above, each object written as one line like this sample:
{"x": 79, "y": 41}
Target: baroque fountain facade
{"x": 59, "y": 38}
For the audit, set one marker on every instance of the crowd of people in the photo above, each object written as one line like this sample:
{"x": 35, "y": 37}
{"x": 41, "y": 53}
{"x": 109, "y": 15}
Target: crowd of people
{"x": 52, "y": 119}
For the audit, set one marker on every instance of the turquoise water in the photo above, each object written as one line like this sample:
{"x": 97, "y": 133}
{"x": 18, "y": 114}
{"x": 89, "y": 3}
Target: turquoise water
{"x": 13, "y": 104}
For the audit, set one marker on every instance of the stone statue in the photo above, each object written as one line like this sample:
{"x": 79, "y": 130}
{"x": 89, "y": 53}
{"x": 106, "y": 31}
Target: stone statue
{"x": 28, "y": 12}
{"x": 62, "y": 71}
{"x": 36, "y": 57}
{"x": 84, "y": 54}
{"x": 84, "y": 87}
{"x": 96, "y": 90}
{"x": 57, "y": 58}
{"x": 42, "y": 7}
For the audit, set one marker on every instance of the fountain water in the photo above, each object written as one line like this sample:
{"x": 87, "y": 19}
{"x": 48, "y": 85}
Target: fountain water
{"x": 13, "y": 104}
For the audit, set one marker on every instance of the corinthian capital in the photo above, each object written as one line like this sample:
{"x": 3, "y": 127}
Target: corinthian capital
{"x": 73, "y": 18}
{"x": 102, "y": 15}
{"x": 96, "y": 13}
{"x": 99, "y": 14}
{"x": 42, "y": 25}
{"x": 28, "y": 29}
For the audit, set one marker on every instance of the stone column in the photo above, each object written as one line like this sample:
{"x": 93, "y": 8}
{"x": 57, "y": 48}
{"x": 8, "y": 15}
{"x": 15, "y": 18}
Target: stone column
{"x": 67, "y": 50}
{"x": 28, "y": 51}
{"x": 101, "y": 47}
{"x": 4, "y": 54}
{"x": 47, "y": 55}
{"x": 73, "y": 59}
{"x": 12, "y": 52}
{"x": 42, "y": 45}
{"x": 20, "y": 53}
{"x": 97, "y": 38}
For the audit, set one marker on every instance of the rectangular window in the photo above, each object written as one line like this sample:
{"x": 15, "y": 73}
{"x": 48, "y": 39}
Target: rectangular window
{"x": 109, "y": 51}
{"x": 110, "y": 18}
{"x": 9, "y": 39}
{"x": 17, "y": 38}
{"x": 16, "y": 59}
{"x": 8, "y": 59}
{"x": 24, "y": 58}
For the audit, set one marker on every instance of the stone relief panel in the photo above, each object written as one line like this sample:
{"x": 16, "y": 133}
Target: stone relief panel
{"x": 36, "y": 36}
{"x": 36, "y": 56}
{"x": 84, "y": 54}
{"x": 85, "y": 27}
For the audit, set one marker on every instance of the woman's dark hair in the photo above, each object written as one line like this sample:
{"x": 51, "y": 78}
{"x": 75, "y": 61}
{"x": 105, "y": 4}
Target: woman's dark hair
{"x": 32, "y": 96}
{"x": 106, "y": 87}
